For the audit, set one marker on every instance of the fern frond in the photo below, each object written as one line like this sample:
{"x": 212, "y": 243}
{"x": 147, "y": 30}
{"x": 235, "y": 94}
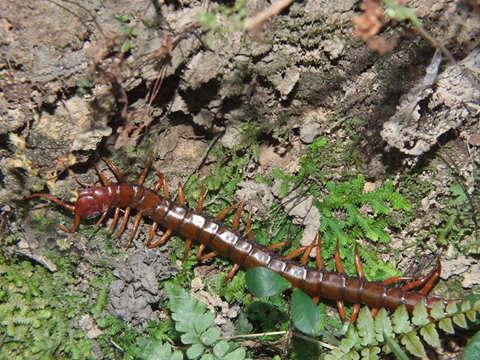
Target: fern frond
{"x": 363, "y": 340}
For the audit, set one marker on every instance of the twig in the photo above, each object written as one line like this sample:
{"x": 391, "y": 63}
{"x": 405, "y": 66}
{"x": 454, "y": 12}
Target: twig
{"x": 204, "y": 157}
{"x": 254, "y": 22}
{"x": 298, "y": 335}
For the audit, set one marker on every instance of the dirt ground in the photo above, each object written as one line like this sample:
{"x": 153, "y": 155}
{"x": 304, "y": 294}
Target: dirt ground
{"x": 119, "y": 79}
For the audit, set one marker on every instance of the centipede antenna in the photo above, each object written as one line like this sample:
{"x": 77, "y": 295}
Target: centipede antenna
{"x": 56, "y": 200}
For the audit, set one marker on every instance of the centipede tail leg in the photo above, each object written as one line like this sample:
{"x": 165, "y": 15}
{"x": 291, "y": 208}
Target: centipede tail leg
{"x": 341, "y": 270}
{"x": 432, "y": 278}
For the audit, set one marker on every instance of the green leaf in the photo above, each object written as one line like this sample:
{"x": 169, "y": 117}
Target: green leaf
{"x": 305, "y": 314}
{"x": 383, "y": 325}
{"x": 264, "y": 282}
{"x": 446, "y": 325}
{"x": 395, "y": 348}
{"x": 460, "y": 320}
{"x": 413, "y": 344}
{"x": 401, "y": 322}
{"x": 471, "y": 351}
{"x": 238, "y": 354}
{"x": 365, "y": 327}
{"x": 203, "y": 322}
{"x": 195, "y": 351}
{"x": 126, "y": 46}
{"x": 437, "y": 311}
{"x": 430, "y": 335}
{"x": 210, "y": 336}
{"x": 420, "y": 314}
{"x": 221, "y": 348}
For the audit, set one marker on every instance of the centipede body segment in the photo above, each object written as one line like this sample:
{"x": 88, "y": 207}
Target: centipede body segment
{"x": 225, "y": 241}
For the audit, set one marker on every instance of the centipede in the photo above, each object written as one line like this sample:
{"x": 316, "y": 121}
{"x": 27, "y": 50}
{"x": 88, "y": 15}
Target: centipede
{"x": 220, "y": 239}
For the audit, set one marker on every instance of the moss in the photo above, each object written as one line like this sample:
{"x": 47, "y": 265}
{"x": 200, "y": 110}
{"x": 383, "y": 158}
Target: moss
{"x": 37, "y": 313}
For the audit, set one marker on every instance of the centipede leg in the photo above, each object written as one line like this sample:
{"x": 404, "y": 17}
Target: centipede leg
{"x": 124, "y": 222}
{"x": 341, "y": 270}
{"x": 133, "y": 233}
{"x": 99, "y": 222}
{"x": 318, "y": 261}
{"x": 432, "y": 278}
{"x": 181, "y": 200}
{"x": 219, "y": 217}
{"x": 163, "y": 239}
{"x": 114, "y": 222}
{"x": 248, "y": 227}
{"x": 424, "y": 280}
{"x": 103, "y": 178}
{"x": 159, "y": 185}
{"x": 74, "y": 227}
{"x": 361, "y": 275}
{"x": 115, "y": 170}
{"x": 140, "y": 181}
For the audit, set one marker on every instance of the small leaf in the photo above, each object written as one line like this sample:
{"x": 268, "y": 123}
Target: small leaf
{"x": 472, "y": 315}
{"x": 264, "y": 282}
{"x": 365, "y": 327}
{"x": 350, "y": 340}
{"x": 472, "y": 349}
{"x": 401, "y": 322}
{"x": 452, "y": 308}
{"x": 203, "y": 322}
{"x": 305, "y": 314}
{"x": 466, "y": 305}
{"x": 437, "y": 311}
{"x": 446, "y": 325}
{"x": 221, "y": 348}
{"x": 210, "y": 336}
{"x": 420, "y": 314}
{"x": 430, "y": 335}
{"x": 460, "y": 320}
{"x": 383, "y": 325}
{"x": 413, "y": 344}
{"x": 395, "y": 348}
{"x": 126, "y": 46}
{"x": 370, "y": 353}
{"x": 195, "y": 351}
{"x": 238, "y": 354}
{"x": 189, "y": 338}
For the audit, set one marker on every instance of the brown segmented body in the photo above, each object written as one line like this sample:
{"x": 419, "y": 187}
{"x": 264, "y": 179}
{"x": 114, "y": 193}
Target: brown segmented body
{"x": 228, "y": 243}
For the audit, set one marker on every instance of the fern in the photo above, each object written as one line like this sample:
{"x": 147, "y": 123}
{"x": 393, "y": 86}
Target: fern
{"x": 369, "y": 337}
{"x": 197, "y": 329}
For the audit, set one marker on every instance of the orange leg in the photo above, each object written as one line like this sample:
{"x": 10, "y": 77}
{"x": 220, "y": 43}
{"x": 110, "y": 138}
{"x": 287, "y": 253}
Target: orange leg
{"x": 99, "y": 222}
{"x": 341, "y": 270}
{"x": 166, "y": 235}
{"x": 115, "y": 170}
{"x": 140, "y": 181}
{"x": 114, "y": 221}
{"x": 102, "y": 176}
{"x": 219, "y": 217}
{"x": 133, "y": 233}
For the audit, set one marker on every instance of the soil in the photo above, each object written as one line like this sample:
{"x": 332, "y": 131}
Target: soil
{"x": 117, "y": 79}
